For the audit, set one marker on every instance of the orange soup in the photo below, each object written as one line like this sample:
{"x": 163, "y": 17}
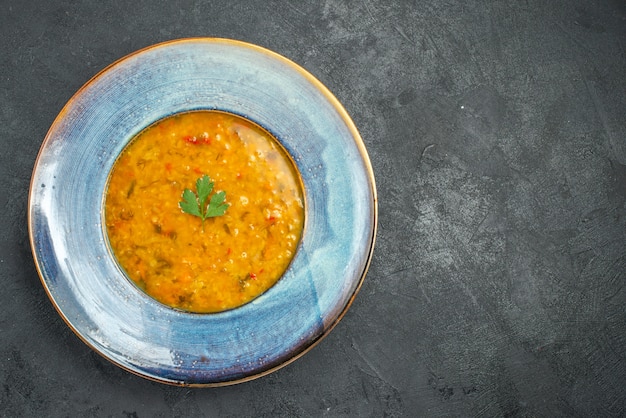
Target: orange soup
{"x": 217, "y": 263}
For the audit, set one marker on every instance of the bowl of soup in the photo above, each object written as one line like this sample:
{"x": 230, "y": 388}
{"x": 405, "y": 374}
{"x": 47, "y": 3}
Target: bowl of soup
{"x": 202, "y": 212}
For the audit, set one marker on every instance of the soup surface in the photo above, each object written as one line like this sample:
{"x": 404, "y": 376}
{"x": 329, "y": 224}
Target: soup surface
{"x": 220, "y": 262}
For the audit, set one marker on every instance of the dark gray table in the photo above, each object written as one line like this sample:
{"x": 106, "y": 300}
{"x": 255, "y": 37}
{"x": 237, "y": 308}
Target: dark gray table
{"x": 498, "y": 137}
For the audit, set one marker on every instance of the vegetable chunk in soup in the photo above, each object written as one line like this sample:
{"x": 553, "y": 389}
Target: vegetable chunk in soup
{"x": 180, "y": 258}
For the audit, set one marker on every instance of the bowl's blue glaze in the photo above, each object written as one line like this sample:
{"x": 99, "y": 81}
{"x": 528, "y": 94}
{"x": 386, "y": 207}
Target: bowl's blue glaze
{"x": 69, "y": 241}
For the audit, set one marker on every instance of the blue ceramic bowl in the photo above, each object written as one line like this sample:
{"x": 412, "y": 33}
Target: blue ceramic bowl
{"x": 92, "y": 293}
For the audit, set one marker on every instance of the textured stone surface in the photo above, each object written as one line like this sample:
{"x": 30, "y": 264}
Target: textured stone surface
{"x": 497, "y": 134}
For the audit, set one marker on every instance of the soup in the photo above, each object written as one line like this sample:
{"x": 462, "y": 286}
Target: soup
{"x": 158, "y": 232}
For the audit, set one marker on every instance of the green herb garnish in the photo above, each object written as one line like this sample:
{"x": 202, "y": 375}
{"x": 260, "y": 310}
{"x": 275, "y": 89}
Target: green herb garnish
{"x": 196, "y": 204}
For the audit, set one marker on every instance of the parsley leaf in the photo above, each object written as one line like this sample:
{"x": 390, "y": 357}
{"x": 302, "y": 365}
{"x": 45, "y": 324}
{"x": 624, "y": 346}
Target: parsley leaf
{"x": 204, "y": 187}
{"x": 216, "y": 207}
{"x": 190, "y": 204}
{"x": 195, "y": 204}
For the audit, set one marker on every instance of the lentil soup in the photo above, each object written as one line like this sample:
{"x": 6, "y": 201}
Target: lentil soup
{"x": 204, "y": 265}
